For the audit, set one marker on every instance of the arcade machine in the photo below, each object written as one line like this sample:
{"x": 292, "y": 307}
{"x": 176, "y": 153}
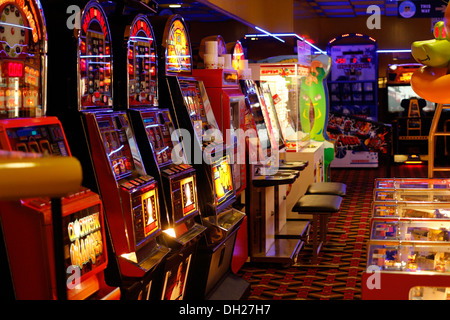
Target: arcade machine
{"x": 409, "y": 114}
{"x": 203, "y": 144}
{"x": 24, "y": 128}
{"x": 130, "y": 196}
{"x": 228, "y": 105}
{"x": 353, "y": 88}
{"x": 157, "y": 141}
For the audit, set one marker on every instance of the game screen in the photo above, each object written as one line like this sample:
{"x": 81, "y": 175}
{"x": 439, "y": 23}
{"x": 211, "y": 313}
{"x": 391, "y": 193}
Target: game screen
{"x": 95, "y": 59}
{"x": 21, "y": 50}
{"x": 174, "y": 285}
{"x": 178, "y": 51}
{"x": 116, "y": 135}
{"x": 83, "y": 240}
{"x": 159, "y": 128}
{"x": 188, "y": 195}
{"x": 45, "y": 139}
{"x": 141, "y": 64}
{"x": 397, "y": 93}
{"x": 223, "y": 182}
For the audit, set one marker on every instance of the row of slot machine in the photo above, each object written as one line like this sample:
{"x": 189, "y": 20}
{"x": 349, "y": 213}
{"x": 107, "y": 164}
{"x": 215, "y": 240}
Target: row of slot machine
{"x": 152, "y": 220}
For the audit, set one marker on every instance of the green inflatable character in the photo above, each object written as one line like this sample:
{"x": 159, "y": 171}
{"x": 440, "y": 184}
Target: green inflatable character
{"x": 314, "y": 106}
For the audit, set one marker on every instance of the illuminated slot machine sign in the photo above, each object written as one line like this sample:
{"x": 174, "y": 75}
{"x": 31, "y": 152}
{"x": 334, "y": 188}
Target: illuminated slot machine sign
{"x": 178, "y": 50}
{"x": 21, "y": 46}
{"x": 238, "y": 55}
{"x": 142, "y": 77}
{"x": 95, "y": 60}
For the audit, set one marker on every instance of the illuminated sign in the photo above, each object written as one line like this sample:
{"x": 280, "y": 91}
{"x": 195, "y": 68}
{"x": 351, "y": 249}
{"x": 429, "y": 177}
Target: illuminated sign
{"x": 238, "y": 54}
{"x": 83, "y": 239}
{"x": 141, "y": 64}
{"x": 178, "y": 51}
{"x": 95, "y": 58}
{"x": 188, "y": 192}
{"x": 150, "y": 212}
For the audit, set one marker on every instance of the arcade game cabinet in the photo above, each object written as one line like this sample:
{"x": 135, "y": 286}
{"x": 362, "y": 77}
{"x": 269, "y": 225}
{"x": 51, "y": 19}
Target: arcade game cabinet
{"x": 228, "y": 105}
{"x": 24, "y": 127}
{"x": 204, "y": 148}
{"x": 158, "y": 144}
{"x": 409, "y": 115}
{"x": 109, "y": 154}
{"x": 353, "y": 87}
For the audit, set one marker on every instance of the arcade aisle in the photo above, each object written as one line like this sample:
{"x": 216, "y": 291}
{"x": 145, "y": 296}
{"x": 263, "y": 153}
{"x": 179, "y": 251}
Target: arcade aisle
{"x": 273, "y": 282}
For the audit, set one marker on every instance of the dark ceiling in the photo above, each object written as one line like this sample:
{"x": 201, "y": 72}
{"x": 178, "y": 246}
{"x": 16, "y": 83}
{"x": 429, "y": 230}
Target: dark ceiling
{"x": 204, "y": 11}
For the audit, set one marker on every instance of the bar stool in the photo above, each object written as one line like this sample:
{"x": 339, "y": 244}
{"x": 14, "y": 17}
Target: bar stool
{"x": 333, "y": 188}
{"x": 320, "y": 206}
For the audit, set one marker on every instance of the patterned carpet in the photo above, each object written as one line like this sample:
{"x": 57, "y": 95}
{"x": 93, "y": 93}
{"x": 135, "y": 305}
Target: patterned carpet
{"x": 342, "y": 282}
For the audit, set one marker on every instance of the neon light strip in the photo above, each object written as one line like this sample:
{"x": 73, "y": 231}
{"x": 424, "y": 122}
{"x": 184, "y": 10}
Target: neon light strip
{"x": 15, "y": 25}
{"x": 268, "y": 33}
{"x": 96, "y": 56}
{"x": 141, "y": 38}
{"x": 286, "y": 35}
{"x": 394, "y": 51}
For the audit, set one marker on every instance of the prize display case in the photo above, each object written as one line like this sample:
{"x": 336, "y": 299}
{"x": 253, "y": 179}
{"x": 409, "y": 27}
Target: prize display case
{"x": 411, "y": 183}
{"x": 425, "y": 195}
{"x": 284, "y": 80}
{"x": 408, "y": 254}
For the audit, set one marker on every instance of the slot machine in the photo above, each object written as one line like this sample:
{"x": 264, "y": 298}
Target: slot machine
{"x": 25, "y": 128}
{"x": 155, "y": 129}
{"x": 131, "y": 196}
{"x": 227, "y": 102}
{"x": 203, "y": 144}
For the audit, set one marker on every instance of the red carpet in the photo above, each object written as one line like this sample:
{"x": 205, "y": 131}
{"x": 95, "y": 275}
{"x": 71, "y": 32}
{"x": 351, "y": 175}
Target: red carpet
{"x": 343, "y": 282}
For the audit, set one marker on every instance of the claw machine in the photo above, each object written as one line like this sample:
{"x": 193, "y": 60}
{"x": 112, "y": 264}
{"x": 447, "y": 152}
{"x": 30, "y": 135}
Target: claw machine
{"x": 204, "y": 148}
{"x": 24, "y": 127}
{"x": 112, "y": 164}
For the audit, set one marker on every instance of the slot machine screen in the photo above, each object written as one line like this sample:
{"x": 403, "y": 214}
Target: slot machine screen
{"x": 20, "y": 60}
{"x": 142, "y": 82}
{"x": 159, "y": 128}
{"x": 178, "y": 51}
{"x": 45, "y": 139}
{"x": 188, "y": 195}
{"x": 116, "y": 135}
{"x": 95, "y": 59}
{"x": 223, "y": 183}
{"x": 84, "y": 239}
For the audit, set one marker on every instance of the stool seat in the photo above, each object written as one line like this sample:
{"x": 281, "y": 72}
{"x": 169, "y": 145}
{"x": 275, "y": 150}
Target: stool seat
{"x": 318, "y": 203}
{"x": 334, "y": 188}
